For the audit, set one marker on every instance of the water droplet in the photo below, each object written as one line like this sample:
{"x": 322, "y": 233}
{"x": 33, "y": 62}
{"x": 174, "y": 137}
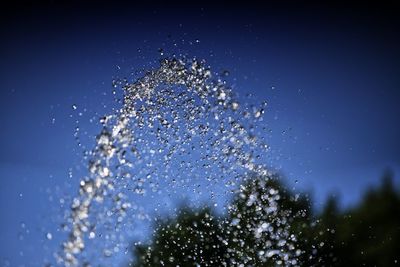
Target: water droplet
{"x": 92, "y": 235}
{"x": 49, "y": 236}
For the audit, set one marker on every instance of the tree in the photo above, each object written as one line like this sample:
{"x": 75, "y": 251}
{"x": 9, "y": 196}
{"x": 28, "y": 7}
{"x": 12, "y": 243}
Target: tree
{"x": 193, "y": 238}
{"x": 369, "y": 234}
{"x": 266, "y": 223}
{"x": 269, "y": 225}
{"x": 365, "y": 235}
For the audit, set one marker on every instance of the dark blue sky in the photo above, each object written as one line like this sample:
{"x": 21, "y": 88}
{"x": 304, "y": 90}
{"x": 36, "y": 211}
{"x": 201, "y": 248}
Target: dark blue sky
{"x": 330, "y": 74}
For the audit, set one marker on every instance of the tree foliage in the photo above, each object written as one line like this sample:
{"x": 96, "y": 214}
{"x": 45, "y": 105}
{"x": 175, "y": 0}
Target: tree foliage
{"x": 268, "y": 225}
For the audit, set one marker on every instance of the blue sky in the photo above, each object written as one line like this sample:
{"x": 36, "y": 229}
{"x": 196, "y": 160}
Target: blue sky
{"x": 330, "y": 76}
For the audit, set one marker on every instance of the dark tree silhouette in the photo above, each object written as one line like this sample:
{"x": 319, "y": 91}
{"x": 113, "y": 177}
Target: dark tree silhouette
{"x": 267, "y": 224}
{"x": 193, "y": 238}
{"x": 369, "y": 234}
{"x": 266, "y": 221}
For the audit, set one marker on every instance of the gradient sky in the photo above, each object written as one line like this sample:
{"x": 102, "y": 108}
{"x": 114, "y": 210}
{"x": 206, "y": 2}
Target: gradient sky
{"x": 330, "y": 74}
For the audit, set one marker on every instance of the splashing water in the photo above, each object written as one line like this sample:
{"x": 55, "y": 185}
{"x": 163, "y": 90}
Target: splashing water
{"x": 179, "y": 126}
